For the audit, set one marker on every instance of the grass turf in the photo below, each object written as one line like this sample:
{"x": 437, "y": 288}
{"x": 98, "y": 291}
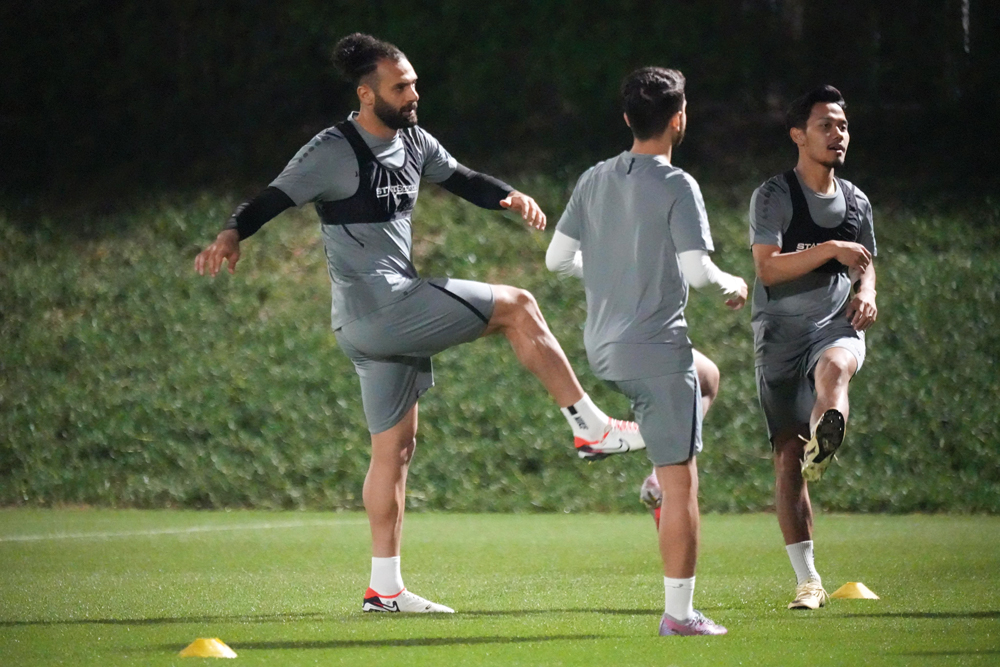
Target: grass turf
{"x": 103, "y": 587}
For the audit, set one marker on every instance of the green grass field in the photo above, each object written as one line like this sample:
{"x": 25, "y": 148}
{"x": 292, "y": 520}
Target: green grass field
{"x": 103, "y": 587}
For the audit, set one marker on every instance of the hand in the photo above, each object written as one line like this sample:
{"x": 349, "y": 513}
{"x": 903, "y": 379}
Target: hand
{"x": 852, "y": 255}
{"x": 225, "y": 247}
{"x": 738, "y": 301}
{"x": 527, "y": 207}
{"x": 862, "y": 311}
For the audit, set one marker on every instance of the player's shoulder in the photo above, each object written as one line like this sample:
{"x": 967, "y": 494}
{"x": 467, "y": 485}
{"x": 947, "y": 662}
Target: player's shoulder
{"x": 774, "y": 186}
{"x": 419, "y": 136}
{"x": 588, "y": 177}
{"x": 858, "y": 193}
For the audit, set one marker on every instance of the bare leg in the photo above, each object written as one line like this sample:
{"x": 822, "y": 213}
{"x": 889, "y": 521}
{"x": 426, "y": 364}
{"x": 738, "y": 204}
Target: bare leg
{"x": 516, "y": 316}
{"x": 680, "y": 524}
{"x": 709, "y": 378}
{"x": 834, "y": 370}
{"x": 385, "y": 485}
{"x": 791, "y": 494}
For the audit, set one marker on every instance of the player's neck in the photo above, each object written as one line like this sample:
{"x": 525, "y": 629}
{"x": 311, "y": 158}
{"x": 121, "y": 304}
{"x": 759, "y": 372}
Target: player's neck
{"x": 370, "y": 123}
{"x": 817, "y": 177}
{"x": 662, "y": 146}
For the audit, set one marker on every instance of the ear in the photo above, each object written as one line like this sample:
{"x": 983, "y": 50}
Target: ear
{"x": 366, "y": 95}
{"x": 798, "y": 136}
{"x": 675, "y": 121}
{"x": 625, "y": 116}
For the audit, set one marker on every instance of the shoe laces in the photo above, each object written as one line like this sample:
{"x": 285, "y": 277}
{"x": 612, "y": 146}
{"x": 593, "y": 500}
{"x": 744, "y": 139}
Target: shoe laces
{"x": 812, "y": 587}
{"x": 621, "y": 425}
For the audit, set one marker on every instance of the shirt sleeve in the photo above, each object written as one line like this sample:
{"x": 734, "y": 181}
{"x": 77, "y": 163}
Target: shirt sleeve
{"x": 767, "y": 215}
{"x": 572, "y": 219}
{"x": 564, "y": 256}
{"x": 867, "y": 237}
{"x": 325, "y": 169}
{"x": 700, "y": 272}
{"x": 688, "y": 218}
{"x": 438, "y": 163}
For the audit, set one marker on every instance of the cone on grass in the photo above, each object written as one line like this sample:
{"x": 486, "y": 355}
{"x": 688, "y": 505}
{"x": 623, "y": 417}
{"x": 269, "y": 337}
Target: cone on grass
{"x": 854, "y": 590}
{"x": 208, "y": 648}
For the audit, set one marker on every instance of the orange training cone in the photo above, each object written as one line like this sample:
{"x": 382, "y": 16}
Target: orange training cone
{"x": 208, "y": 648}
{"x": 854, "y": 590}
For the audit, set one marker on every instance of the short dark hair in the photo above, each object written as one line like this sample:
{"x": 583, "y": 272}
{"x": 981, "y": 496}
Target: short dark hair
{"x": 357, "y": 55}
{"x": 650, "y": 97}
{"x": 799, "y": 111}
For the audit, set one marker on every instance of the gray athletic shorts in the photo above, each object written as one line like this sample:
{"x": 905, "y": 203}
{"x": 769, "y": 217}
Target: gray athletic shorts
{"x": 785, "y": 375}
{"x": 392, "y": 347}
{"x": 668, "y": 411}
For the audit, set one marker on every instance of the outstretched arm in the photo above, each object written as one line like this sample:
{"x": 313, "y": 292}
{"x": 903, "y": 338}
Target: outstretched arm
{"x": 247, "y": 219}
{"x": 488, "y": 192}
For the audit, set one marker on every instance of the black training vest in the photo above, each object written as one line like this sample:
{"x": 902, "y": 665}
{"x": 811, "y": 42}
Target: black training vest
{"x": 803, "y": 232}
{"x": 383, "y": 194}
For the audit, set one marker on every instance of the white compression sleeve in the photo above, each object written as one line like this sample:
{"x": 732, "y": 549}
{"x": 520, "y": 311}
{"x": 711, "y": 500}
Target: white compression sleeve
{"x": 563, "y": 256}
{"x": 700, "y": 272}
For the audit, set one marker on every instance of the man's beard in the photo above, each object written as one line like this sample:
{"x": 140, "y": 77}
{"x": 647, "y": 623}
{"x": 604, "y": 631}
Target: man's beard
{"x": 393, "y": 118}
{"x": 836, "y": 163}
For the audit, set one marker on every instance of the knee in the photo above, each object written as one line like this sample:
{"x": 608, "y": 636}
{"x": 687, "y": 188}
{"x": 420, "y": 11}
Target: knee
{"x": 835, "y": 369}
{"x": 709, "y": 379}
{"x": 519, "y": 309}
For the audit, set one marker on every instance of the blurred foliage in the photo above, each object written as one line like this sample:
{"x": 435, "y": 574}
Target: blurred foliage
{"x": 127, "y": 380}
{"x": 102, "y": 99}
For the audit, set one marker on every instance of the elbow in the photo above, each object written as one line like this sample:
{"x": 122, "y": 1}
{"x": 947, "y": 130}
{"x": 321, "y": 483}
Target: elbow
{"x": 766, "y": 276}
{"x": 551, "y": 263}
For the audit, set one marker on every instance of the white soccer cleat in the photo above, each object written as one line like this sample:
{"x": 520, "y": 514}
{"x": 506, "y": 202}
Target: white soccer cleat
{"x": 403, "y": 601}
{"x": 619, "y": 437}
{"x": 809, "y": 595}
{"x": 650, "y": 493}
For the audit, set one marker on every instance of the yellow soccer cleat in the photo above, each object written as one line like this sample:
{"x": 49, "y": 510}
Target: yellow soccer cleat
{"x": 825, "y": 441}
{"x": 809, "y": 595}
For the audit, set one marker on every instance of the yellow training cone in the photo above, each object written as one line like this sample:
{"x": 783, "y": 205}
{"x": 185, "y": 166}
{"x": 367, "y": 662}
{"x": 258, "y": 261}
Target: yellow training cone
{"x": 854, "y": 590}
{"x": 208, "y": 648}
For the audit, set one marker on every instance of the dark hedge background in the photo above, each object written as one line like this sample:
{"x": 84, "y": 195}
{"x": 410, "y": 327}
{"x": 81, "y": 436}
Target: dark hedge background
{"x": 101, "y": 99}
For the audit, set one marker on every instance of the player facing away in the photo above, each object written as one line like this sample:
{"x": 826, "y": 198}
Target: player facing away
{"x": 363, "y": 176}
{"x": 813, "y": 241}
{"x": 635, "y": 229}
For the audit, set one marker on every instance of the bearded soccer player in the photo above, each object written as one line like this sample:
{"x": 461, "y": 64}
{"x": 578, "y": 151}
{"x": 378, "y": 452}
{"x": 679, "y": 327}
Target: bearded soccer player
{"x": 813, "y": 240}
{"x": 636, "y": 231}
{"x": 363, "y": 177}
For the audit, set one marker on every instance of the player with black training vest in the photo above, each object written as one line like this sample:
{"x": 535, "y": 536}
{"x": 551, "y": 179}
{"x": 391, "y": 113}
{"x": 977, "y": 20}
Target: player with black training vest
{"x": 363, "y": 176}
{"x": 813, "y": 240}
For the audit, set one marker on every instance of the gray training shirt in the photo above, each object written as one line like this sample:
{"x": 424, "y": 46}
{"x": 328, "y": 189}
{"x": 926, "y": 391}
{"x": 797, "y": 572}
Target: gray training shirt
{"x": 371, "y": 267}
{"x": 632, "y": 215}
{"x": 815, "y": 297}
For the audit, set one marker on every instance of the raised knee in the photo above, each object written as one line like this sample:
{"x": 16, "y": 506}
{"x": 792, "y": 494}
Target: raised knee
{"x": 836, "y": 368}
{"x": 525, "y": 300}
{"x": 710, "y": 378}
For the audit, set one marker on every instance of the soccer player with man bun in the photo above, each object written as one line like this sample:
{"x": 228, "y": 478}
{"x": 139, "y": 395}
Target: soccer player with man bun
{"x": 363, "y": 177}
{"x": 813, "y": 240}
{"x": 636, "y": 231}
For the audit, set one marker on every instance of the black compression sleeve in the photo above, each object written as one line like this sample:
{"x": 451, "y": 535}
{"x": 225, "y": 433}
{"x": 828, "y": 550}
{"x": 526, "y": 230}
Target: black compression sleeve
{"x": 480, "y": 189}
{"x": 251, "y": 215}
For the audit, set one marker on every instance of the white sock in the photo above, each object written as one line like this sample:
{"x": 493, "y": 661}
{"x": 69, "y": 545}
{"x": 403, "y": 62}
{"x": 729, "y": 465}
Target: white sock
{"x": 678, "y": 598}
{"x": 386, "y": 578}
{"x": 586, "y": 419}
{"x": 803, "y": 561}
